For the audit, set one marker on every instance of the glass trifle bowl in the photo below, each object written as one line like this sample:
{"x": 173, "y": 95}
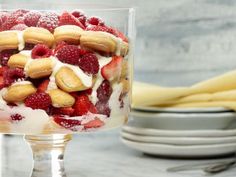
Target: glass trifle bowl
{"x": 63, "y": 71}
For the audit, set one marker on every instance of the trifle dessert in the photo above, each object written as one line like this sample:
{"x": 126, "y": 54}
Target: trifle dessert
{"x": 61, "y": 73}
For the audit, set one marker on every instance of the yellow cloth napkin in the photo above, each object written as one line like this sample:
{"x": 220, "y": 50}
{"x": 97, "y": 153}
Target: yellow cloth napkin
{"x": 218, "y": 91}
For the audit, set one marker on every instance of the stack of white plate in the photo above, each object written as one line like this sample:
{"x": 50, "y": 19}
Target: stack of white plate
{"x": 190, "y": 133}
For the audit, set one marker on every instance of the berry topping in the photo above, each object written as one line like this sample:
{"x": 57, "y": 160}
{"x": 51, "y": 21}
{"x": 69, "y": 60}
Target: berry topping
{"x": 68, "y": 19}
{"x": 5, "y": 55}
{"x": 77, "y": 14}
{"x": 16, "y": 117}
{"x": 31, "y": 18}
{"x": 12, "y": 19}
{"x": 63, "y": 111}
{"x": 83, "y": 105}
{"x": 59, "y": 46}
{"x": 65, "y": 122}
{"x": 48, "y": 21}
{"x": 83, "y": 20}
{"x": 38, "y": 100}
{"x": 112, "y": 70}
{"x": 99, "y": 28}
{"x": 89, "y": 63}
{"x": 104, "y": 91}
{"x": 41, "y": 51}
{"x": 103, "y": 108}
{"x": 19, "y": 27}
{"x": 1, "y": 82}
{"x": 69, "y": 54}
{"x": 119, "y": 34}
{"x": 95, "y": 21}
{"x": 11, "y": 75}
{"x": 43, "y": 86}
{"x": 29, "y": 46}
{"x": 94, "y": 123}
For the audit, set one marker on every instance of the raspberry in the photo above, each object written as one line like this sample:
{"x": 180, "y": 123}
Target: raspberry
{"x": 68, "y": 19}
{"x": 83, "y": 20}
{"x": 104, "y": 91}
{"x": 103, "y": 108}
{"x": 31, "y": 18}
{"x": 5, "y": 55}
{"x": 99, "y": 28}
{"x": 39, "y": 100}
{"x": 89, "y": 63}
{"x": 83, "y": 105}
{"x": 118, "y": 34}
{"x": 66, "y": 123}
{"x": 48, "y": 21}
{"x": 59, "y": 46}
{"x": 16, "y": 117}
{"x": 95, "y": 21}
{"x": 69, "y": 54}
{"x": 12, "y": 19}
{"x": 19, "y": 27}
{"x": 11, "y": 75}
{"x": 41, "y": 51}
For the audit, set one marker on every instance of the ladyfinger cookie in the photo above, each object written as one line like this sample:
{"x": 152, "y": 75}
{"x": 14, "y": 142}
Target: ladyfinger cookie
{"x": 39, "y": 68}
{"x": 37, "y": 35}
{"x": 99, "y": 41}
{"x": 68, "y": 33}
{"x": 124, "y": 48}
{"x": 17, "y": 61}
{"x": 68, "y": 81}
{"x": 8, "y": 40}
{"x": 126, "y": 85}
{"x": 125, "y": 69}
{"x": 61, "y": 98}
{"x": 18, "y": 92}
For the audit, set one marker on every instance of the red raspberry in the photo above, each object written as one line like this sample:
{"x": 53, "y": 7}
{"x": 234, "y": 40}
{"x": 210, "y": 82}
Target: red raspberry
{"x": 41, "y": 51}
{"x": 16, "y": 117}
{"x": 5, "y": 55}
{"x": 65, "y": 122}
{"x": 68, "y": 19}
{"x": 99, "y": 28}
{"x": 83, "y": 105}
{"x": 19, "y": 27}
{"x": 31, "y": 18}
{"x": 12, "y": 74}
{"x": 104, "y": 91}
{"x": 59, "y": 46}
{"x": 118, "y": 34}
{"x": 89, "y": 63}
{"x": 95, "y": 21}
{"x": 12, "y": 19}
{"x": 39, "y": 100}
{"x": 103, "y": 108}
{"x": 48, "y": 21}
{"x": 69, "y": 54}
{"x": 83, "y": 20}
{"x": 1, "y": 82}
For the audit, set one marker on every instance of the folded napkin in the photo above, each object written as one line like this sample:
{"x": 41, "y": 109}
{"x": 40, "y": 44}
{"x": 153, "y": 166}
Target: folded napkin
{"x": 214, "y": 92}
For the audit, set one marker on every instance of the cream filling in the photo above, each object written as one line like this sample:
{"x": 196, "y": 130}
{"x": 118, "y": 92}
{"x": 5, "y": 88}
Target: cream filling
{"x": 21, "y": 40}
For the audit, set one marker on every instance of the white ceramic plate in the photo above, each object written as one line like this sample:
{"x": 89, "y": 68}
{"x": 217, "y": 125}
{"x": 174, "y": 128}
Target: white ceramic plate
{"x": 183, "y": 121}
{"x": 181, "y": 110}
{"x": 178, "y": 140}
{"x": 179, "y": 133}
{"x": 182, "y": 151}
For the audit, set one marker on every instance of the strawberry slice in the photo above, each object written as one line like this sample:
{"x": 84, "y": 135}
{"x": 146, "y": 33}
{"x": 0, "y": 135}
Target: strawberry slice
{"x": 66, "y": 123}
{"x": 83, "y": 105}
{"x": 68, "y": 19}
{"x": 65, "y": 111}
{"x": 94, "y": 123}
{"x": 43, "y": 86}
{"x": 112, "y": 70}
{"x": 1, "y": 82}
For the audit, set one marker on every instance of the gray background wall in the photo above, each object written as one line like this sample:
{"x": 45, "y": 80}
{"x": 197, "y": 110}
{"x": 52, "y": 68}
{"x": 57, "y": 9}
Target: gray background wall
{"x": 180, "y": 42}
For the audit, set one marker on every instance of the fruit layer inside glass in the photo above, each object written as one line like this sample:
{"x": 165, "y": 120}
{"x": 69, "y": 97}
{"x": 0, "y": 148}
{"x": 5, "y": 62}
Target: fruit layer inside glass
{"x": 61, "y": 73}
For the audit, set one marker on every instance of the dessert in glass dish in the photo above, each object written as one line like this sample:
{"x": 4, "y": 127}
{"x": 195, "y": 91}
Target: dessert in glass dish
{"x": 63, "y": 71}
